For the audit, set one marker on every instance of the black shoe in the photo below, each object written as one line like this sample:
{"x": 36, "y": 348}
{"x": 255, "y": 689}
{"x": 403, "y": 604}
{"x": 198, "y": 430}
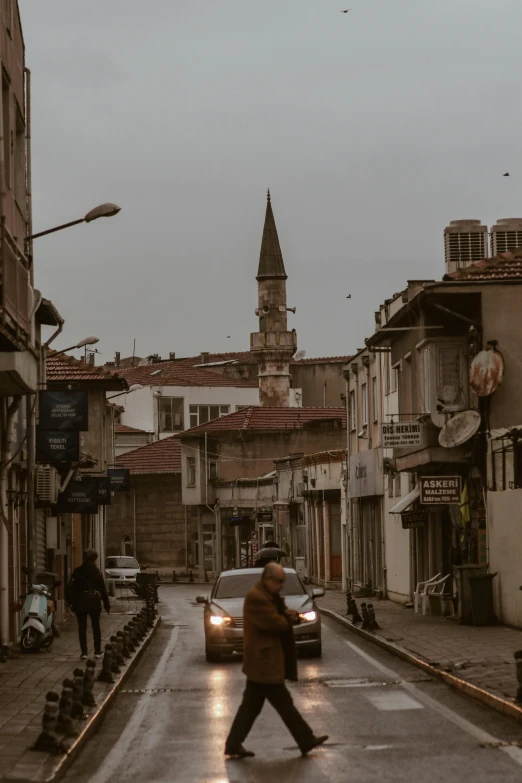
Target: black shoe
{"x": 314, "y": 744}
{"x": 239, "y": 753}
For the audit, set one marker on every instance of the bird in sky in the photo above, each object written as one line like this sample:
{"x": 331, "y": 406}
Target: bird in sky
{"x": 506, "y": 174}
{"x": 229, "y": 336}
{"x": 346, "y": 10}
{"x": 349, "y": 296}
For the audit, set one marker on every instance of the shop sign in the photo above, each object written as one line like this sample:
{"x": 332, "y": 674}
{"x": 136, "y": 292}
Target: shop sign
{"x": 254, "y": 548}
{"x": 264, "y": 516}
{"x": 239, "y": 519}
{"x": 120, "y": 479}
{"x": 366, "y": 478}
{"x": 63, "y": 410}
{"x": 84, "y": 497}
{"x": 54, "y": 446}
{"x": 413, "y": 519}
{"x": 438, "y": 490}
{"x": 401, "y": 434}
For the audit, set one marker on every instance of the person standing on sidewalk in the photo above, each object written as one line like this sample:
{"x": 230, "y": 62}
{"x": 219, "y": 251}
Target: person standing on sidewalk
{"x": 86, "y": 593}
{"x": 269, "y": 657}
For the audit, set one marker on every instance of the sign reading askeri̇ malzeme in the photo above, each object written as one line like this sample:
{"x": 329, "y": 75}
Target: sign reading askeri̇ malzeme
{"x": 437, "y": 490}
{"x": 401, "y": 434}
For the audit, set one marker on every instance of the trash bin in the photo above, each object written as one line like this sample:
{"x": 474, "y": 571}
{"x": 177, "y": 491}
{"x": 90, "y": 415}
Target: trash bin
{"x": 481, "y": 588}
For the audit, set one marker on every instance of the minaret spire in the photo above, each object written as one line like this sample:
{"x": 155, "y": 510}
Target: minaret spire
{"x": 271, "y": 258}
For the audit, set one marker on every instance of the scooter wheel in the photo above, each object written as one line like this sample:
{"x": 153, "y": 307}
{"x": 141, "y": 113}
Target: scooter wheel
{"x": 29, "y": 641}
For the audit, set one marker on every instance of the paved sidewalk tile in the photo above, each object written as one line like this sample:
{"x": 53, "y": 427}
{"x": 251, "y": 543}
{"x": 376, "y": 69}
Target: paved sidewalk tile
{"x": 481, "y": 655}
{"x": 25, "y": 679}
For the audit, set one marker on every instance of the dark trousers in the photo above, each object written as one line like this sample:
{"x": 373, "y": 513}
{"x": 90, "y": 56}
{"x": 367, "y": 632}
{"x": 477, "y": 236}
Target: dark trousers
{"x": 96, "y": 630}
{"x": 252, "y": 704}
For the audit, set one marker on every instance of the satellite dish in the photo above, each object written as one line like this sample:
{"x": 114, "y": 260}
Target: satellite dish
{"x": 459, "y": 429}
{"x": 299, "y": 355}
{"x": 486, "y": 372}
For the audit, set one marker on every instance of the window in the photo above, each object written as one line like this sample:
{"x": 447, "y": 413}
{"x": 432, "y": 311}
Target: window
{"x": 353, "y": 411}
{"x": 191, "y": 471}
{"x": 426, "y": 379}
{"x": 387, "y": 373}
{"x": 200, "y": 414}
{"x": 170, "y": 414}
{"x": 364, "y": 404}
{"x": 397, "y": 485}
{"x": 212, "y": 471}
{"x": 449, "y": 372}
{"x": 375, "y": 400}
{"x": 19, "y": 163}
{"x": 6, "y": 129}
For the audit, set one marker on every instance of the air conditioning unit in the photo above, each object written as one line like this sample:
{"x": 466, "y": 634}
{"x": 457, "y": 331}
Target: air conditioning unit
{"x": 47, "y": 484}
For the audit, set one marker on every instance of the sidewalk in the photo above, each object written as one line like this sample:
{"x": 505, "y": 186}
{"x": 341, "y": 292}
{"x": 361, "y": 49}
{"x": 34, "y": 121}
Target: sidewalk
{"x": 482, "y": 656}
{"x": 25, "y": 680}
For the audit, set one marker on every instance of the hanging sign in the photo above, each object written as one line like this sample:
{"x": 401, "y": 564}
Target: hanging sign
{"x": 63, "y": 410}
{"x": 254, "y": 548}
{"x": 54, "y": 446}
{"x": 120, "y": 479}
{"x": 239, "y": 519}
{"x": 265, "y": 516}
{"x": 413, "y": 519}
{"x": 438, "y": 490}
{"x": 85, "y": 496}
{"x": 401, "y": 434}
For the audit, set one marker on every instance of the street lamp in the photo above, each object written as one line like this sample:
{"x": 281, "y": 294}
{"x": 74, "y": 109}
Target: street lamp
{"x": 134, "y": 387}
{"x": 81, "y": 344}
{"x": 104, "y": 210}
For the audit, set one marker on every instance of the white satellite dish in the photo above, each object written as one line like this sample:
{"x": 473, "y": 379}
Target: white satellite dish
{"x": 299, "y": 355}
{"x": 459, "y": 429}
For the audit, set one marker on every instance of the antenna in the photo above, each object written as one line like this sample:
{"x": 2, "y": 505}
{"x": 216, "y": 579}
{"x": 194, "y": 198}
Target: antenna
{"x": 299, "y": 356}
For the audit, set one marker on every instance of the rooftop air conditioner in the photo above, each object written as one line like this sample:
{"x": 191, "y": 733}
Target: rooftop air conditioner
{"x": 47, "y": 484}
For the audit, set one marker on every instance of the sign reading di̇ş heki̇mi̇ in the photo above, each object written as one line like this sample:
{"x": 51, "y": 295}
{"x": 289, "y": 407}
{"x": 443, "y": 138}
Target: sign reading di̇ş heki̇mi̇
{"x": 436, "y": 490}
{"x": 401, "y": 434}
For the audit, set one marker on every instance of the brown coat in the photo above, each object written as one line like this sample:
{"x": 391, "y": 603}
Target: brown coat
{"x": 269, "y": 648}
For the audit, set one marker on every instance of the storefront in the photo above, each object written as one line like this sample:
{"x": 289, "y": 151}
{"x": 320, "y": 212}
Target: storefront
{"x": 366, "y": 488}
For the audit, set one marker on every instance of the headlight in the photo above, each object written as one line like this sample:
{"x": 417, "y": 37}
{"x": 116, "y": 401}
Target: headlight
{"x": 308, "y": 617}
{"x": 218, "y": 620}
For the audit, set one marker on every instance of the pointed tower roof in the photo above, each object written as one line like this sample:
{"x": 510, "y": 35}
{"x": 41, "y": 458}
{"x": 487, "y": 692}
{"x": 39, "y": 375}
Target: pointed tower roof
{"x": 270, "y": 259}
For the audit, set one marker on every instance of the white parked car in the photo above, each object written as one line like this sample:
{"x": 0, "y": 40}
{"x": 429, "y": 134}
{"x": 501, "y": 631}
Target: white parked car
{"x": 122, "y": 570}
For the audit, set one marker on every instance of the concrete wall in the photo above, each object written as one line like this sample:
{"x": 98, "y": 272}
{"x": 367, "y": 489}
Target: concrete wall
{"x": 160, "y": 521}
{"x": 505, "y": 553}
{"x": 321, "y": 384}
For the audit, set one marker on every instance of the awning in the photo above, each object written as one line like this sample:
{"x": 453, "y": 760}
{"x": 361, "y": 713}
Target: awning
{"x": 406, "y": 502}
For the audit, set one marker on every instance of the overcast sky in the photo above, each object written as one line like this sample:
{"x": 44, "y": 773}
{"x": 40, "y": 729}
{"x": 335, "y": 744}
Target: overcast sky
{"x": 372, "y": 129}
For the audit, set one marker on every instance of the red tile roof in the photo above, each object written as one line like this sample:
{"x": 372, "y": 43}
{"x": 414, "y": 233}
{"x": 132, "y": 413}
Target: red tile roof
{"x": 181, "y": 374}
{"x": 504, "y": 266}
{"x": 61, "y": 368}
{"x": 163, "y": 456}
{"x": 258, "y": 418}
{"x": 123, "y": 428}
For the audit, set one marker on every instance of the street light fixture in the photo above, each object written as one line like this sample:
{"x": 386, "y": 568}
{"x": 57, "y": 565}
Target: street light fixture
{"x": 103, "y": 210}
{"x": 81, "y": 344}
{"x": 134, "y": 387}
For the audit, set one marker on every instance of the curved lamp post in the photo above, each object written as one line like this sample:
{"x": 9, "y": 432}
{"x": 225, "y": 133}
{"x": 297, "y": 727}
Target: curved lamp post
{"x": 103, "y": 210}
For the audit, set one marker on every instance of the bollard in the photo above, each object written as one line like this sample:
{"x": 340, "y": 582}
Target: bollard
{"x": 174, "y": 577}
{"x": 130, "y": 645}
{"x": 518, "y": 663}
{"x": 88, "y": 699}
{"x": 356, "y": 617}
{"x": 191, "y": 577}
{"x": 126, "y": 651}
{"x": 115, "y": 669}
{"x": 106, "y": 673}
{"x": 206, "y": 575}
{"x": 374, "y": 625}
{"x": 140, "y": 629}
{"x": 77, "y": 707}
{"x": 349, "y": 598}
{"x": 4, "y": 653}
{"x": 47, "y": 740}
{"x": 365, "y": 616}
{"x": 120, "y": 660}
{"x": 64, "y": 722}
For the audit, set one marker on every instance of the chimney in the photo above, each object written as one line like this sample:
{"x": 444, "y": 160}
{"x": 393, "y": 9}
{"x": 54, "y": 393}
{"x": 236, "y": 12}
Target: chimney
{"x": 92, "y": 358}
{"x": 117, "y": 358}
{"x": 205, "y": 357}
{"x": 172, "y": 356}
{"x": 506, "y": 235}
{"x": 465, "y": 243}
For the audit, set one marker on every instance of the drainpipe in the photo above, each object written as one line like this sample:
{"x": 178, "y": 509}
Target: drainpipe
{"x": 8, "y": 414}
{"x": 186, "y": 541}
{"x": 219, "y": 559}
{"x": 134, "y": 533}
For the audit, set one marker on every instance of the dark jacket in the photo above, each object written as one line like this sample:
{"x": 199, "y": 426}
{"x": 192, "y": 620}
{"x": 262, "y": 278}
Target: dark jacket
{"x": 86, "y": 591}
{"x": 269, "y": 654}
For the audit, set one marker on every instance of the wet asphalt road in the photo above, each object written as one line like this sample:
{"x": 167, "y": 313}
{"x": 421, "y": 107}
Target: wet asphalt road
{"x": 386, "y": 720}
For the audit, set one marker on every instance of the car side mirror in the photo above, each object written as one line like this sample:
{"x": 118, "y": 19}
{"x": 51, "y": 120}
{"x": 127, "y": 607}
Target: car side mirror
{"x": 317, "y": 592}
{"x": 202, "y": 599}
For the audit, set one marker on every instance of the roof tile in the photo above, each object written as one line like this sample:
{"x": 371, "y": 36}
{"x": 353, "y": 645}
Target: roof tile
{"x": 62, "y": 368}
{"x": 260, "y": 418}
{"x": 504, "y": 266}
{"x": 163, "y": 456}
{"x": 120, "y": 429}
{"x": 181, "y": 374}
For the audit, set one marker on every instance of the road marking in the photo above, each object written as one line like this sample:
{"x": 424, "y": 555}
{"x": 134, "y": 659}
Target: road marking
{"x": 389, "y": 702}
{"x": 112, "y": 763}
{"x": 482, "y": 736}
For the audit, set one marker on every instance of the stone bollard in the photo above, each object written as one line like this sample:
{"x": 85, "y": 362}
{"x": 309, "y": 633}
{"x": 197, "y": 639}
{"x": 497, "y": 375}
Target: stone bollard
{"x": 349, "y": 598}
{"x": 136, "y": 632}
{"x": 191, "y": 577}
{"x": 174, "y": 577}
{"x": 77, "y": 707}
{"x": 47, "y": 740}
{"x": 365, "y": 616}
{"x": 518, "y": 663}
{"x": 64, "y": 722}
{"x": 140, "y": 631}
{"x": 128, "y": 631}
{"x": 356, "y": 617}
{"x": 115, "y": 669}
{"x": 120, "y": 659}
{"x": 88, "y": 699}
{"x": 374, "y": 625}
{"x": 126, "y": 651}
{"x": 106, "y": 673}
{"x": 206, "y": 575}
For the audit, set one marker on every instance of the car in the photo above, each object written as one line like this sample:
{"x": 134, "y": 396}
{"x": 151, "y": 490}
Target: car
{"x": 223, "y": 613}
{"x": 122, "y": 570}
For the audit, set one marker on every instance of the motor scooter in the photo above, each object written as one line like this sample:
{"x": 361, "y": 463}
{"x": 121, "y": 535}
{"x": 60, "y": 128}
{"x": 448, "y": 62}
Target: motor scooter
{"x": 37, "y": 617}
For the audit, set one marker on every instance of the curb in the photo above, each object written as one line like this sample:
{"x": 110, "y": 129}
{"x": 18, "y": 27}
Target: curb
{"x": 54, "y": 767}
{"x": 486, "y": 698}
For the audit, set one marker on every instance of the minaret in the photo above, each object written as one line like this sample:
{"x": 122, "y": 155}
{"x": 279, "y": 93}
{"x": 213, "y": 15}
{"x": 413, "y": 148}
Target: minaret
{"x": 273, "y": 346}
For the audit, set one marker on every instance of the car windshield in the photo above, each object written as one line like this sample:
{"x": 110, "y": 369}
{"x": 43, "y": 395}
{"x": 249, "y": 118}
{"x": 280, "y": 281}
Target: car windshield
{"x": 121, "y": 562}
{"x": 238, "y": 585}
